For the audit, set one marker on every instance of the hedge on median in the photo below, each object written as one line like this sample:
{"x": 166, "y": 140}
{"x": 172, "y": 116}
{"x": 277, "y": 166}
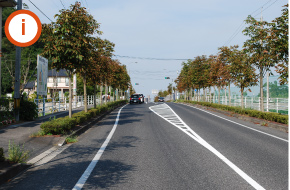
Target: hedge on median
{"x": 64, "y": 124}
{"x": 269, "y": 116}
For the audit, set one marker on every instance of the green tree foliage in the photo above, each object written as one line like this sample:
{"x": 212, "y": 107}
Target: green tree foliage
{"x": 67, "y": 38}
{"x": 278, "y": 42}
{"x": 242, "y": 71}
{"x": 28, "y": 59}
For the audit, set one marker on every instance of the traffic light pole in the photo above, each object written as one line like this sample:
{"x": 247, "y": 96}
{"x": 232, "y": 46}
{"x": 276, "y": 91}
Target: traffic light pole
{"x": 17, "y": 75}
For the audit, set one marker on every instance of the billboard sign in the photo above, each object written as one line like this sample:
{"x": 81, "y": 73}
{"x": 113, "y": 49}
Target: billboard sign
{"x": 42, "y": 70}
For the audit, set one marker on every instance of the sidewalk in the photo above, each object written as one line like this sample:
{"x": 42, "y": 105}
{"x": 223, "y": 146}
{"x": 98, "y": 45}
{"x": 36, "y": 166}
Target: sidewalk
{"x": 19, "y": 134}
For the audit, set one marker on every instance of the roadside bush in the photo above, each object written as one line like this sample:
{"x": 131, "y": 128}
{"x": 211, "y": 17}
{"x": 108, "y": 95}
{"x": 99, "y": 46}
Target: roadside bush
{"x": 17, "y": 154}
{"x": 269, "y": 116}
{"x": 62, "y": 125}
{"x": 28, "y": 110}
{"x": 58, "y": 126}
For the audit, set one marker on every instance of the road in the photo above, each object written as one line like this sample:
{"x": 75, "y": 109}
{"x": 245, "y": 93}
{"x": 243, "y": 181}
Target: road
{"x": 165, "y": 146}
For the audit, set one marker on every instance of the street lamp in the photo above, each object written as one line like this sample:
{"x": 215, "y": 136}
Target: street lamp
{"x": 3, "y": 3}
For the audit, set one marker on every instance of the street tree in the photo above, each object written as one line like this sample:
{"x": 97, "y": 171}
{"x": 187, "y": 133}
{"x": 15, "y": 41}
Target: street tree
{"x": 242, "y": 71}
{"x": 278, "y": 43}
{"x": 258, "y": 49}
{"x": 65, "y": 39}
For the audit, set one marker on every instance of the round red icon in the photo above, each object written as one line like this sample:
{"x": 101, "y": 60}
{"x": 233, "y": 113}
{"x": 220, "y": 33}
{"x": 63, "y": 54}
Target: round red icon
{"x": 23, "y": 28}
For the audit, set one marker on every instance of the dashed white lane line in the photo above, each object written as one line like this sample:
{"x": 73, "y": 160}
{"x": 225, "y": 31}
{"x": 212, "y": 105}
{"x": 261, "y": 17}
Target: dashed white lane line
{"x": 240, "y": 124}
{"x": 186, "y": 129}
{"x": 79, "y": 185}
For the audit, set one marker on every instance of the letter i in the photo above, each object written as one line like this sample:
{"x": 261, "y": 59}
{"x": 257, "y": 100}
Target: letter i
{"x": 23, "y": 26}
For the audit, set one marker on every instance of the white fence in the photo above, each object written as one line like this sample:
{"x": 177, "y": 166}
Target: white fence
{"x": 48, "y": 105}
{"x": 279, "y": 105}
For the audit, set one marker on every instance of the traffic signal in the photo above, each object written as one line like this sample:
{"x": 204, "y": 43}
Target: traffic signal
{"x": 167, "y": 77}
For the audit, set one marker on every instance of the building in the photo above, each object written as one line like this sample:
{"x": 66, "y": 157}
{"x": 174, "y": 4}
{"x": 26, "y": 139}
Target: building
{"x": 57, "y": 82}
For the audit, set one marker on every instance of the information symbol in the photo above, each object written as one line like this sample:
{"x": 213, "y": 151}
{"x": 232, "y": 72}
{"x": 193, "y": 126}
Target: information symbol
{"x": 23, "y": 28}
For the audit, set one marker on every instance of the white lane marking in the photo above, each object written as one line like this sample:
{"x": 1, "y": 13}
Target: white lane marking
{"x": 79, "y": 185}
{"x": 240, "y": 124}
{"x": 185, "y": 128}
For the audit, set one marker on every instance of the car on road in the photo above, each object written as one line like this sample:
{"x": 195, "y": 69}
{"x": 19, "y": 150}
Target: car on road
{"x": 135, "y": 98}
{"x": 161, "y": 99}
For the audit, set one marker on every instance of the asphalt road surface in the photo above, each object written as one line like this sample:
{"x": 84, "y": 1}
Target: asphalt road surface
{"x": 165, "y": 146}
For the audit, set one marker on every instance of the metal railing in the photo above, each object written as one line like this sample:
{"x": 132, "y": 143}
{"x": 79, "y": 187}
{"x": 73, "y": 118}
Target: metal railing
{"x": 279, "y": 105}
{"x": 49, "y": 105}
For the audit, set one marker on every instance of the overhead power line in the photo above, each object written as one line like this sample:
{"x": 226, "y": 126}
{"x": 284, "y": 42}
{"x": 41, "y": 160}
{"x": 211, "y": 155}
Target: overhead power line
{"x": 40, "y": 11}
{"x": 150, "y": 58}
{"x": 240, "y": 28}
{"x": 62, "y": 3}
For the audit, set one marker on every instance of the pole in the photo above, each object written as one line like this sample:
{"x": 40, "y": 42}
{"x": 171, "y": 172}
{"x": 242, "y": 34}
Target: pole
{"x": 17, "y": 75}
{"x": 0, "y": 46}
{"x": 267, "y": 91}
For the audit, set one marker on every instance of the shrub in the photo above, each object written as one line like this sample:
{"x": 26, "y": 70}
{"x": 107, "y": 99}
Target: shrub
{"x": 17, "y": 154}
{"x": 269, "y": 116}
{"x": 62, "y": 125}
{"x": 58, "y": 126}
{"x": 28, "y": 110}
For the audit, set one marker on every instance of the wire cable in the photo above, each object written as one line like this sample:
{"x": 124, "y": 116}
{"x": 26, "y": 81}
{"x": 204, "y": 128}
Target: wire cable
{"x": 40, "y": 11}
{"x": 150, "y": 58}
{"x": 243, "y": 23}
{"x": 62, "y": 3}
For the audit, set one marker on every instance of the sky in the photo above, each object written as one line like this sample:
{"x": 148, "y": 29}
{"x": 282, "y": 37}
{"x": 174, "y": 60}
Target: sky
{"x": 152, "y": 38}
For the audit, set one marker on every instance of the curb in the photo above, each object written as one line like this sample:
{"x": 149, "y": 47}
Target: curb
{"x": 12, "y": 171}
{"x": 257, "y": 121}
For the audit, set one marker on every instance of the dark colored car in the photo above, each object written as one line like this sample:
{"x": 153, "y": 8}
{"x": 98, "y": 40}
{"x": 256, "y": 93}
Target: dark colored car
{"x": 160, "y": 99}
{"x": 135, "y": 98}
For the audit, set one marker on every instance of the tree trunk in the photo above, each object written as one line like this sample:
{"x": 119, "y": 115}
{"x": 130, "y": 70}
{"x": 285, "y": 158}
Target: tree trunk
{"x": 209, "y": 94}
{"x": 242, "y": 95}
{"x": 85, "y": 93}
{"x": 190, "y": 94}
{"x": 219, "y": 94}
{"x": 70, "y": 95}
{"x": 229, "y": 94}
{"x": 106, "y": 92}
{"x": 95, "y": 96}
{"x": 261, "y": 91}
{"x": 101, "y": 94}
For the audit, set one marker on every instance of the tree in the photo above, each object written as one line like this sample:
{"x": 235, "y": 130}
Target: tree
{"x": 242, "y": 71}
{"x": 257, "y": 47}
{"x": 65, "y": 39}
{"x": 278, "y": 42}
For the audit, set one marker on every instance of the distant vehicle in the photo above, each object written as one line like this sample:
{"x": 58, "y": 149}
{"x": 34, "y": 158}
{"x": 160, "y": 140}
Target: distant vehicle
{"x": 135, "y": 98}
{"x": 161, "y": 99}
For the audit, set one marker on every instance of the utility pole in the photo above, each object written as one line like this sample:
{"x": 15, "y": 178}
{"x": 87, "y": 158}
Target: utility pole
{"x": 17, "y": 75}
{"x": 261, "y": 72}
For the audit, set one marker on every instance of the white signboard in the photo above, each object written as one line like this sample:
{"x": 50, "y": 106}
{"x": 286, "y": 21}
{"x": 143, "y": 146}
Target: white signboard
{"x": 42, "y": 70}
{"x": 154, "y": 91}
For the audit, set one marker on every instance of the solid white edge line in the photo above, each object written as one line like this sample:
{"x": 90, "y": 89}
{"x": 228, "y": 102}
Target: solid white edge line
{"x": 240, "y": 124}
{"x": 201, "y": 141}
{"x": 79, "y": 185}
